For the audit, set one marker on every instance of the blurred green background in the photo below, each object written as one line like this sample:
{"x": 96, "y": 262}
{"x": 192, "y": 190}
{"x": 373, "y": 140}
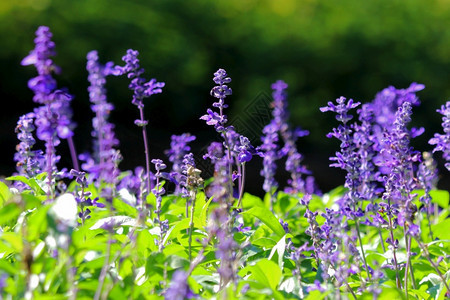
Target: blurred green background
{"x": 322, "y": 49}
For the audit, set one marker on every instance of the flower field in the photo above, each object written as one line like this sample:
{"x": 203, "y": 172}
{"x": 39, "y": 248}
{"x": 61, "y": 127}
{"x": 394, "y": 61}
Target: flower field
{"x": 168, "y": 230}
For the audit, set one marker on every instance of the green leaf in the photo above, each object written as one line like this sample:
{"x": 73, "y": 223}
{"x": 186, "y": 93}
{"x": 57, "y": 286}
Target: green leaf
{"x": 174, "y": 230}
{"x": 5, "y": 194}
{"x": 265, "y": 272}
{"x": 279, "y": 248}
{"x": 32, "y": 183}
{"x": 9, "y": 212}
{"x": 124, "y": 208}
{"x": 420, "y": 294}
{"x": 442, "y": 229}
{"x": 204, "y": 212}
{"x": 13, "y": 239}
{"x": 317, "y": 295}
{"x": 267, "y": 217}
{"x": 249, "y": 201}
{"x": 37, "y": 223}
{"x": 10, "y": 268}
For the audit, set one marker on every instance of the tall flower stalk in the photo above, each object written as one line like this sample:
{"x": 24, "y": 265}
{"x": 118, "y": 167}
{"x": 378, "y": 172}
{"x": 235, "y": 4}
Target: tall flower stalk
{"x": 349, "y": 160}
{"x": 238, "y": 149}
{"x": 442, "y": 141}
{"x": 53, "y": 117}
{"x": 279, "y": 141}
{"x": 29, "y": 162}
{"x": 141, "y": 89}
{"x": 400, "y": 183}
{"x": 103, "y": 165}
{"x": 158, "y": 191}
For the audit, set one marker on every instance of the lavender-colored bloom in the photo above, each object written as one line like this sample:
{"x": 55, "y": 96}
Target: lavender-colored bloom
{"x": 215, "y": 152}
{"x": 244, "y": 150}
{"x": 401, "y": 155}
{"x": 279, "y": 127}
{"x": 3, "y": 283}
{"x": 442, "y": 141}
{"x": 400, "y": 182}
{"x": 384, "y": 108}
{"x": 226, "y": 246}
{"x": 82, "y": 197}
{"x": 141, "y": 88}
{"x": 178, "y": 149}
{"x": 285, "y": 225}
{"x": 269, "y": 148}
{"x": 29, "y": 162}
{"x": 103, "y": 167}
{"x": 388, "y": 100}
{"x": 53, "y": 118}
{"x": 348, "y": 158}
{"x": 158, "y": 191}
{"x": 294, "y": 158}
{"x": 179, "y": 288}
{"x": 316, "y": 287}
{"x": 221, "y": 91}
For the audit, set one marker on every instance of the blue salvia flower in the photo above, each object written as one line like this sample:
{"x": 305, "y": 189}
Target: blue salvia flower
{"x": 348, "y": 158}
{"x": 384, "y": 108}
{"x": 401, "y": 167}
{"x": 400, "y": 181}
{"x": 221, "y": 91}
{"x": 279, "y": 127}
{"x": 141, "y": 90}
{"x": 102, "y": 166}
{"x": 294, "y": 158}
{"x": 83, "y": 197}
{"x": 366, "y": 145}
{"x": 29, "y": 162}
{"x": 270, "y": 149}
{"x": 442, "y": 141}
{"x": 387, "y": 101}
{"x": 178, "y": 149}
{"x": 53, "y": 118}
{"x": 158, "y": 191}
{"x": 179, "y": 288}
{"x": 427, "y": 175}
{"x": 214, "y": 152}
{"x": 238, "y": 149}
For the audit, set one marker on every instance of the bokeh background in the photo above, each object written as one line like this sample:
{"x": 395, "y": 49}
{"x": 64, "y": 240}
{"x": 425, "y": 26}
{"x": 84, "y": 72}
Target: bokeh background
{"x": 322, "y": 49}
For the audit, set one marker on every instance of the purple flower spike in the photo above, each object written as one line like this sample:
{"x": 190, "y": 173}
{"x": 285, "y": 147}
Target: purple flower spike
{"x": 179, "y": 288}
{"x": 178, "y": 149}
{"x": 442, "y": 141}
{"x": 279, "y": 129}
{"x": 341, "y": 109}
{"x": 29, "y": 162}
{"x": 140, "y": 87}
{"x": 221, "y": 91}
{"x": 53, "y": 118}
{"x": 103, "y": 166}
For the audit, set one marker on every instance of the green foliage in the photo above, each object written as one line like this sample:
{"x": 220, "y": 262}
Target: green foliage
{"x": 40, "y": 256}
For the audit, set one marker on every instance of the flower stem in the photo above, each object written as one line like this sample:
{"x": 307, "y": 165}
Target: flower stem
{"x": 397, "y": 278}
{"x": 408, "y": 255}
{"x": 191, "y": 225}
{"x": 147, "y": 155}
{"x": 73, "y": 153}
{"x": 101, "y": 278}
{"x": 241, "y": 192}
{"x": 50, "y": 149}
{"x": 362, "y": 248}
{"x": 427, "y": 255}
